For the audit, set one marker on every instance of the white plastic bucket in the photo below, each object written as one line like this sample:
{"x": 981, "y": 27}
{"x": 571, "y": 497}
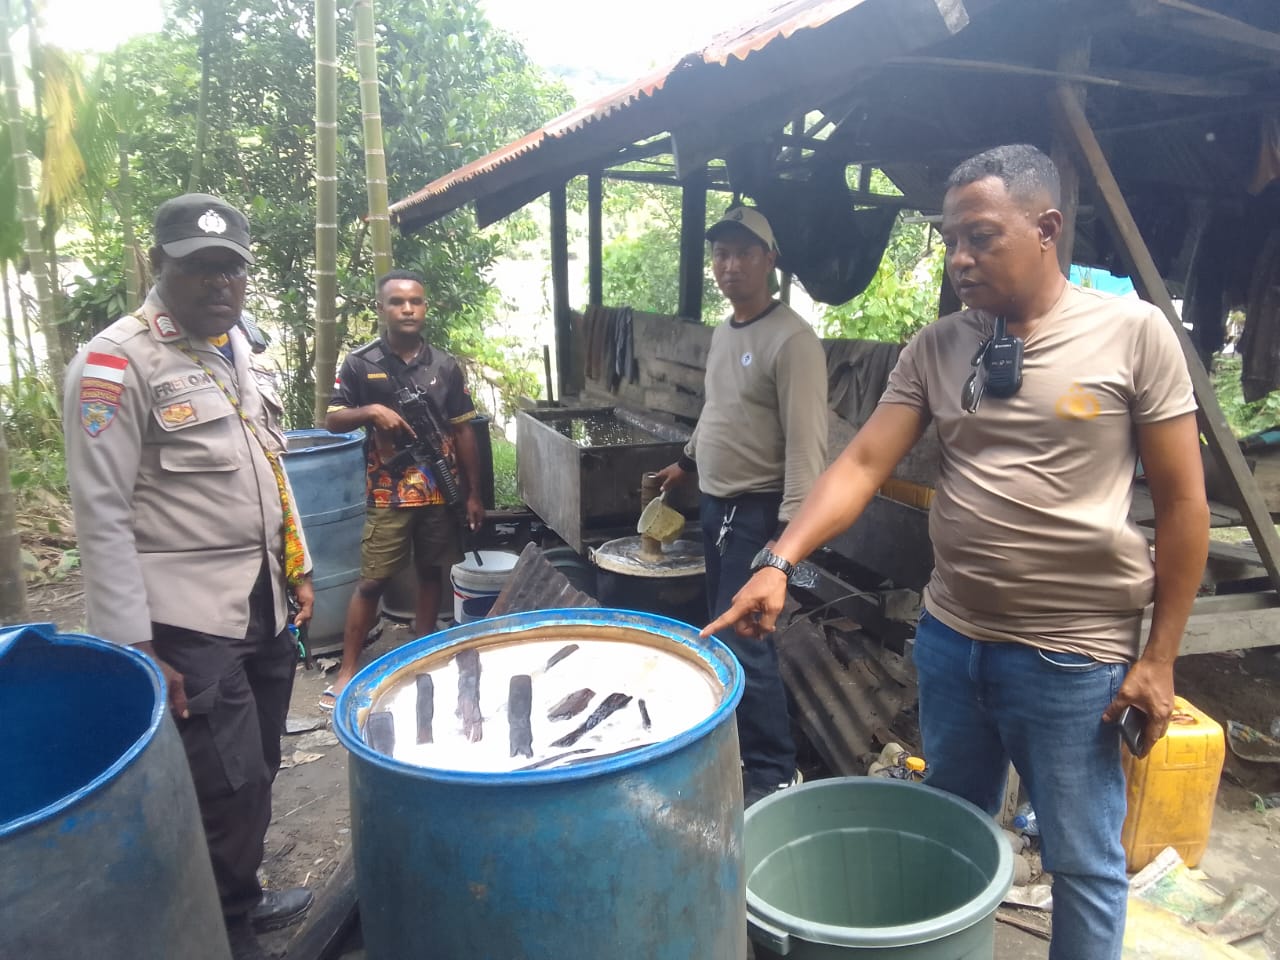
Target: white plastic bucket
{"x": 476, "y": 586}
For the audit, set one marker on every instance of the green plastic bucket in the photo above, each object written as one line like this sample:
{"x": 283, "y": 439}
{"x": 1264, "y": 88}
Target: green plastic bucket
{"x": 860, "y": 865}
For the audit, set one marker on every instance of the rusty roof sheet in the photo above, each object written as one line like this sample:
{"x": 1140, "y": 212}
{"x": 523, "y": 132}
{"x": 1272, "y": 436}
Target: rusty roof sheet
{"x": 739, "y": 43}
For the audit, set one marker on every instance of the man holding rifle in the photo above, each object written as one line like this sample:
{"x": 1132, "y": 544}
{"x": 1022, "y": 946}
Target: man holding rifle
{"x": 409, "y": 508}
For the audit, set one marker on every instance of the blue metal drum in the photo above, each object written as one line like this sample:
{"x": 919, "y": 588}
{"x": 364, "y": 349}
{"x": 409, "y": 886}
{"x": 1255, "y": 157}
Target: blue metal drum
{"x": 637, "y": 854}
{"x": 102, "y": 852}
{"x": 327, "y": 473}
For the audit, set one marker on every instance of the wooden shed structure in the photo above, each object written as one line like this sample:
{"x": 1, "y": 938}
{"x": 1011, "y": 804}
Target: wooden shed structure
{"x": 1163, "y": 116}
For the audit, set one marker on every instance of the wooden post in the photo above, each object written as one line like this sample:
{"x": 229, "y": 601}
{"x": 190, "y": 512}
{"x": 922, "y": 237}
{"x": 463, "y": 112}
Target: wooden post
{"x": 1222, "y": 443}
{"x": 595, "y": 239}
{"x": 1074, "y": 58}
{"x": 560, "y": 287}
{"x": 948, "y": 299}
{"x": 693, "y": 243}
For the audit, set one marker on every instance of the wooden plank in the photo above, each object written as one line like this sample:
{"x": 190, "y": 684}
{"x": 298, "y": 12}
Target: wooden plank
{"x": 677, "y": 376}
{"x": 693, "y": 244}
{"x": 1223, "y": 31}
{"x": 1143, "y": 512}
{"x": 1148, "y": 81}
{"x": 671, "y": 339}
{"x": 1213, "y": 424}
{"x": 595, "y": 239}
{"x": 560, "y": 308}
{"x": 1233, "y": 622}
{"x": 1073, "y": 58}
{"x": 668, "y": 401}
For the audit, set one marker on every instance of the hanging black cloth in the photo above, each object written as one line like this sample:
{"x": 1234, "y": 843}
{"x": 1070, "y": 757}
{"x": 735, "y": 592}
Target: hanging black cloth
{"x": 831, "y": 248}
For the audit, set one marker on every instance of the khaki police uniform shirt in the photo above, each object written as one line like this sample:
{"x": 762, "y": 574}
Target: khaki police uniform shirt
{"x": 1030, "y": 523}
{"x": 764, "y": 426}
{"x": 176, "y": 506}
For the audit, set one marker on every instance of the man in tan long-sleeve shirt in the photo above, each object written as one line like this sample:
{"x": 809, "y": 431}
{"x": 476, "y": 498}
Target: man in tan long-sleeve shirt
{"x": 759, "y": 445}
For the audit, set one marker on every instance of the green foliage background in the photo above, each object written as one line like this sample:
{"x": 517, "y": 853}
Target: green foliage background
{"x": 453, "y": 88}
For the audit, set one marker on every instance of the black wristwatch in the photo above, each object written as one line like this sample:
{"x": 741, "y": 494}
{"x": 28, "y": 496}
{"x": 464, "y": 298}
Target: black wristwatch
{"x": 767, "y": 558}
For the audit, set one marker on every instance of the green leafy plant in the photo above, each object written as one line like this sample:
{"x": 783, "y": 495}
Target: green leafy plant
{"x": 1244, "y": 418}
{"x": 641, "y": 262}
{"x": 504, "y": 473}
{"x": 903, "y": 295}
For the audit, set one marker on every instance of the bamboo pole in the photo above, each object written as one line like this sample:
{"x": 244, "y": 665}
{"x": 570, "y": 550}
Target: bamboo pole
{"x": 326, "y": 271}
{"x": 33, "y": 242}
{"x": 13, "y": 588}
{"x": 375, "y": 158}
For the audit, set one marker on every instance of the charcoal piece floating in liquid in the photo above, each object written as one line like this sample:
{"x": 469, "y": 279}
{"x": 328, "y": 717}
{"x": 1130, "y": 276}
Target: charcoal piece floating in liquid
{"x": 380, "y": 732}
{"x": 572, "y": 705}
{"x": 612, "y": 704}
{"x": 469, "y": 694}
{"x": 560, "y": 655}
{"x": 520, "y": 701}
{"x": 644, "y": 714}
{"x": 426, "y": 706}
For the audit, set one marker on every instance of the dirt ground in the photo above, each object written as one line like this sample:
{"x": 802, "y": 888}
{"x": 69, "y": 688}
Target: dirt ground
{"x": 311, "y": 824}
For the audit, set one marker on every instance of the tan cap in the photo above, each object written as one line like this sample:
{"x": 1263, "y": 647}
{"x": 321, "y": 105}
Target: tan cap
{"x": 749, "y": 219}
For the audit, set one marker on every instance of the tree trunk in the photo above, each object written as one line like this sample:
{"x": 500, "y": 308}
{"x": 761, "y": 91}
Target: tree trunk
{"x": 132, "y": 256}
{"x": 375, "y": 159}
{"x": 195, "y": 180}
{"x": 13, "y": 588}
{"x": 30, "y": 212}
{"x": 11, "y": 335}
{"x": 49, "y": 227}
{"x": 326, "y": 276}
{"x": 27, "y": 339}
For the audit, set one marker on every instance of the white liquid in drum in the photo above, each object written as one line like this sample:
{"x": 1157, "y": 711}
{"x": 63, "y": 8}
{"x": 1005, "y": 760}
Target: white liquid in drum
{"x": 677, "y": 694}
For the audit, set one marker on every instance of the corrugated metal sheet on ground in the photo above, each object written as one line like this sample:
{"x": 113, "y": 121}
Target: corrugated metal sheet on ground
{"x": 535, "y": 584}
{"x": 845, "y": 698}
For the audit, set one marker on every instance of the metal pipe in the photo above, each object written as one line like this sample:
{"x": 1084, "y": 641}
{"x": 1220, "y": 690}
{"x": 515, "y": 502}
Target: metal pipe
{"x": 650, "y": 487}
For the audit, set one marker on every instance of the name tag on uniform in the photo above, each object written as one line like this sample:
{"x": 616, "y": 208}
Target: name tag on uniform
{"x": 376, "y": 376}
{"x": 180, "y": 384}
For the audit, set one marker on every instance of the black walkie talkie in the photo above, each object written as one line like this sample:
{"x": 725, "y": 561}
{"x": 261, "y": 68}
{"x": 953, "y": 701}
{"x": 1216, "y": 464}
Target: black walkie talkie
{"x": 1003, "y": 361}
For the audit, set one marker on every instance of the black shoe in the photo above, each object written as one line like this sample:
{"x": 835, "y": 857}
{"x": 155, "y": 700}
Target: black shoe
{"x": 244, "y": 942}
{"x": 279, "y": 908}
{"x": 754, "y": 793}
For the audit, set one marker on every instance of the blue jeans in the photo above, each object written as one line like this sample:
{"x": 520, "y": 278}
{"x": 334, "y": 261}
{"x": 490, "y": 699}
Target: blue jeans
{"x": 764, "y": 729}
{"x": 984, "y": 704}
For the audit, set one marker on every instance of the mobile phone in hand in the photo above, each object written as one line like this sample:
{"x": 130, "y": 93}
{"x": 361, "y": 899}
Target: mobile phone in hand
{"x": 1133, "y": 727}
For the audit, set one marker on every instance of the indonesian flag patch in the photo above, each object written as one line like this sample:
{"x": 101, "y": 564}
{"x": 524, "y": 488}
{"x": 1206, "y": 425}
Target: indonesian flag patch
{"x": 101, "y": 386}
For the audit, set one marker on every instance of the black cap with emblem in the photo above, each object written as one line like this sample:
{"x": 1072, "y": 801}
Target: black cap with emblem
{"x": 196, "y": 221}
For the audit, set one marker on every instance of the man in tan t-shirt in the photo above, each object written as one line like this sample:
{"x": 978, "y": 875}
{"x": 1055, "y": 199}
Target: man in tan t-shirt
{"x": 1028, "y": 647}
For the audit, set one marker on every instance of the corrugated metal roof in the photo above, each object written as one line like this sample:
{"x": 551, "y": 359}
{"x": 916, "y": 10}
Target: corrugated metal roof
{"x": 739, "y": 43}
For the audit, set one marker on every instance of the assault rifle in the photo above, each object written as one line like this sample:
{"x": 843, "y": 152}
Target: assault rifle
{"x": 426, "y": 450}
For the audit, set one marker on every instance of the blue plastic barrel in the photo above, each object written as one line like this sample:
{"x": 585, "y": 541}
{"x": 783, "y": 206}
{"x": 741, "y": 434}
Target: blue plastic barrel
{"x": 636, "y": 855}
{"x": 327, "y": 473}
{"x": 102, "y": 852}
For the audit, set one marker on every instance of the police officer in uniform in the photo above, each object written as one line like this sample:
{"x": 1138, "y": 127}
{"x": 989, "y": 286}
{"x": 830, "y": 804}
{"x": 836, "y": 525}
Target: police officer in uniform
{"x": 188, "y": 536}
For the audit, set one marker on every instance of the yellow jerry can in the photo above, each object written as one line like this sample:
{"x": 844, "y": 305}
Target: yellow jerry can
{"x": 1171, "y": 791}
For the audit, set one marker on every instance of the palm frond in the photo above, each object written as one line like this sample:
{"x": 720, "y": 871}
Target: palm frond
{"x": 62, "y": 166}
